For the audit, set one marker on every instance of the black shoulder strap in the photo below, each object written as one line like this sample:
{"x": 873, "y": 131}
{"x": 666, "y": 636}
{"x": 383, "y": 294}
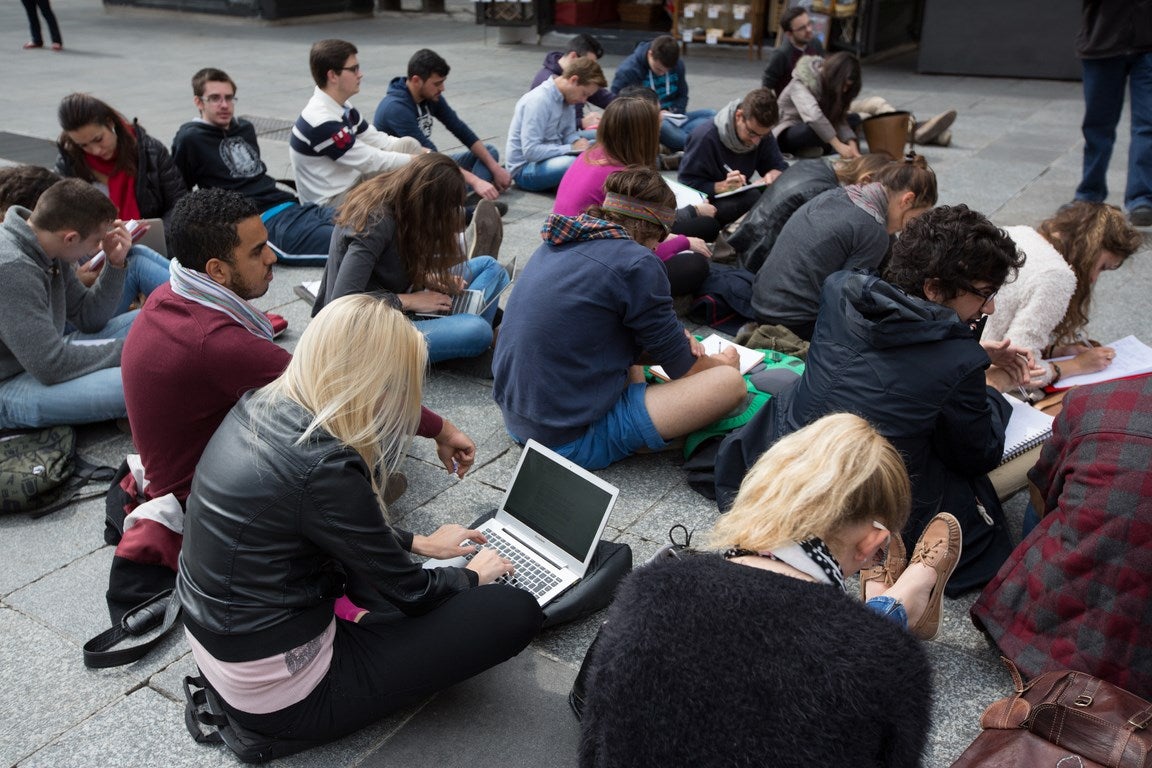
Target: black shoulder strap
{"x": 83, "y": 474}
{"x": 162, "y": 610}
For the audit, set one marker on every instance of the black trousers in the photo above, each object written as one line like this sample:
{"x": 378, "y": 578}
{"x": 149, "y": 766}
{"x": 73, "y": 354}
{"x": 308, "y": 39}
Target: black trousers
{"x": 388, "y": 662}
{"x": 45, "y": 7}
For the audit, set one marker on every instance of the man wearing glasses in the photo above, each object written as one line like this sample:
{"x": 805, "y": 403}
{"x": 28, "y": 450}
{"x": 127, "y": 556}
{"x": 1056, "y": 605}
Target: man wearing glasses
{"x": 724, "y": 154}
{"x": 799, "y": 39}
{"x": 219, "y": 150}
{"x": 332, "y": 146}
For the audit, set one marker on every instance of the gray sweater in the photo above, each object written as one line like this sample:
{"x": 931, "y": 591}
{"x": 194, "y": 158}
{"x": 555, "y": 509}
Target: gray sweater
{"x": 827, "y": 234}
{"x": 37, "y": 295}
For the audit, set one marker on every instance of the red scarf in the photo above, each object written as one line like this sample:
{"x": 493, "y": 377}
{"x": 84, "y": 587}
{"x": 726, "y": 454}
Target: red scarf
{"x": 121, "y": 185}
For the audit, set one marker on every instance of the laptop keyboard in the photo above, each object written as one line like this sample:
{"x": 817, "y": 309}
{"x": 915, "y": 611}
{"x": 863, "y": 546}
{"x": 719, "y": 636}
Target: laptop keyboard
{"x": 529, "y": 575}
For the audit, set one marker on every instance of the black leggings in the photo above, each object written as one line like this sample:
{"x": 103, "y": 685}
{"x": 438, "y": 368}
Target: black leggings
{"x": 34, "y": 22}
{"x": 389, "y": 662}
{"x": 686, "y": 270}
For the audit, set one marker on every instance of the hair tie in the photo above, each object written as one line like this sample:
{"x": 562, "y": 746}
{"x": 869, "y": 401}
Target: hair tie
{"x": 639, "y": 209}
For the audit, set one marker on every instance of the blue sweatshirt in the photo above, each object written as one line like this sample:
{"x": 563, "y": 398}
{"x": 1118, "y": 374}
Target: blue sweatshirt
{"x": 398, "y": 114}
{"x": 672, "y": 88}
{"x": 586, "y": 306}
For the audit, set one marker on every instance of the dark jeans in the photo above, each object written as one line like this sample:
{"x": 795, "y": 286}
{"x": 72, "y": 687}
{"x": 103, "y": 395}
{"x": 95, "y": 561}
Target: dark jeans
{"x": 691, "y": 224}
{"x": 304, "y": 232}
{"x": 730, "y": 208}
{"x": 388, "y": 662}
{"x": 686, "y": 271}
{"x": 1104, "y": 81}
{"x": 45, "y": 7}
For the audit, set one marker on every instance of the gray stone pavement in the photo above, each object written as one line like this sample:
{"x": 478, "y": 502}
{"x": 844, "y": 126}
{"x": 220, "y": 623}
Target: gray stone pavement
{"x": 1015, "y": 156}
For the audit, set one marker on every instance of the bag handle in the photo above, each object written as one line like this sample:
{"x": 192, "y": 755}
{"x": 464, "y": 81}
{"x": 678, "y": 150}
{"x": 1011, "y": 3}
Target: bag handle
{"x": 161, "y": 610}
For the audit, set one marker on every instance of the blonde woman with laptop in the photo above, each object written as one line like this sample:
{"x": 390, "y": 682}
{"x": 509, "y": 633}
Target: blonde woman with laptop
{"x": 286, "y": 515}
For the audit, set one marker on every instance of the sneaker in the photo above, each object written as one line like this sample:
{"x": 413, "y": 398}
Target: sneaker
{"x": 939, "y": 548}
{"x": 928, "y": 131}
{"x": 31, "y": 44}
{"x": 1141, "y": 217}
{"x": 279, "y": 324}
{"x": 486, "y": 232}
{"x": 889, "y": 570}
{"x": 945, "y": 139}
{"x": 57, "y": 46}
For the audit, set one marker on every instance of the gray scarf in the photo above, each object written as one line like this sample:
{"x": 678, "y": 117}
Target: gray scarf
{"x": 725, "y": 121}
{"x": 870, "y": 198}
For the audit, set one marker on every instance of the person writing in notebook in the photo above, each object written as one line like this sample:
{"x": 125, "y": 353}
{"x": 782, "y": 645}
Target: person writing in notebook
{"x": 311, "y": 452}
{"x": 901, "y": 351}
{"x": 592, "y": 304}
{"x": 725, "y": 153}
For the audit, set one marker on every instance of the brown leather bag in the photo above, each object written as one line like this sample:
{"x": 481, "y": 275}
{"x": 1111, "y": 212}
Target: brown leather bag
{"x": 1063, "y": 719}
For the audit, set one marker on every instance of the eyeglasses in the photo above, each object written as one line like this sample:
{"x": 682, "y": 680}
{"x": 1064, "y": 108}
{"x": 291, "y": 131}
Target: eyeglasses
{"x": 353, "y": 68}
{"x": 217, "y": 98}
{"x": 751, "y": 132}
{"x": 986, "y": 295}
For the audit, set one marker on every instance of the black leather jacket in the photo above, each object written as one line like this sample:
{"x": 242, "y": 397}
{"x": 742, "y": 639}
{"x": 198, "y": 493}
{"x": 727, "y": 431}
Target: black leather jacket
{"x": 159, "y": 184}
{"x": 274, "y": 530}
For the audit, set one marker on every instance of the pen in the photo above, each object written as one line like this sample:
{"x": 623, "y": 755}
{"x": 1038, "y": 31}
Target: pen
{"x": 727, "y": 167}
{"x": 1020, "y": 388}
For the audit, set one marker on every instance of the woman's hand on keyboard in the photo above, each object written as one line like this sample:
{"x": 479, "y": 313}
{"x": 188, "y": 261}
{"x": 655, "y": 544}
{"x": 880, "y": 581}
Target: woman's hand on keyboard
{"x": 448, "y": 541}
{"x": 489, "y": 566}
{"x": 426, "y": 301}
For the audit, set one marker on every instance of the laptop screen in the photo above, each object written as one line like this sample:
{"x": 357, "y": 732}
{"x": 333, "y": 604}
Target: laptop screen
{"x": 557, "y": 503}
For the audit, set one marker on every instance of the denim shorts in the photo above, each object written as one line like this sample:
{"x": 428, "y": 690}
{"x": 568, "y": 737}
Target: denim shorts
{"x": 625, "y": 429}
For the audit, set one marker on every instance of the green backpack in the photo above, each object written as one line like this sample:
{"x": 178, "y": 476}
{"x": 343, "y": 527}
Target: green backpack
{"x": 40, "y": 471}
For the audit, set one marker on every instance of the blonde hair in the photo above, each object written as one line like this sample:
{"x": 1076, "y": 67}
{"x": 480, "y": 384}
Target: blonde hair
{"x": 834, "y": 473}
{"x": 359, "y": 370}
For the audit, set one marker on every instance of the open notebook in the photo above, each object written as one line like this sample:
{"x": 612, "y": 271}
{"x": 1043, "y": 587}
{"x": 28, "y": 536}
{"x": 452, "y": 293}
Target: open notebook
{"x": 1027, "y": 428}
{"x": 749, "y": 358}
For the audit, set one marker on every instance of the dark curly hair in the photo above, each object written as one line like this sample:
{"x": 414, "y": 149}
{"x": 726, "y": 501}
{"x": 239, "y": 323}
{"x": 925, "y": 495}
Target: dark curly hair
{"x": 956, "y": 247}
{"x": 23, "y": 184}
{"x": 203, "y": 226}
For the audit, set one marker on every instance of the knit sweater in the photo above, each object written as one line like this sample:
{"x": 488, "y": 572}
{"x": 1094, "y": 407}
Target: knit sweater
{"x": 1030, "y": 307}
{"x": 333, "y": 147}
{"x": 37, "y": 295}
{"x": 583, "y": 310}
{"x": 703, "y": 662}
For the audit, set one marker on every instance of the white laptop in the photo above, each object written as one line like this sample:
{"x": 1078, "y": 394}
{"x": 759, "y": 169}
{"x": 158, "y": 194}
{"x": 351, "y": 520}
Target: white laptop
{"x": 549, "y": 523}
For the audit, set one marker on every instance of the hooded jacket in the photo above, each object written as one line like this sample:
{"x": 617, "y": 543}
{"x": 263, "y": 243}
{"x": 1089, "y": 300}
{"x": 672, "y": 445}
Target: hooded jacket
{"x": 398, "y": 114}
{"x": 800, "y": 101}
{"x": 159, "y": 184}
{"x": 589, "y": 302}
{"x": 227, "y": 158}
{"x": 672, "y": 88}
{"x": 916, "y": 373}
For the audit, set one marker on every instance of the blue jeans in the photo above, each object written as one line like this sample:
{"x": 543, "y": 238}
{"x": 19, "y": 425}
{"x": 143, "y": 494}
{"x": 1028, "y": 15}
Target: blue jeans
{"x": 147, "y": 271}
{"x": 97, "y": 396}
{"x": 545, "y": 175}
{"x": 470, "y": 162}
{"x": 1104, "y": 81}
{"x": 467, "y": 335}
{"x": 889, "y": 608}
{"x": 676, "y": 136}
{"x": 304, "y": 232}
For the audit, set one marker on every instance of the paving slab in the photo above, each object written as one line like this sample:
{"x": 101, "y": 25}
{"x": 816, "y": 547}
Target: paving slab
{"x": 481, "y": 721}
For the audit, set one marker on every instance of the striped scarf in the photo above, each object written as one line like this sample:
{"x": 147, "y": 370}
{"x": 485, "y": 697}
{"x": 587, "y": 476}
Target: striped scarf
{"x": 870, "y": 198}
{"x": 198, "y": 287}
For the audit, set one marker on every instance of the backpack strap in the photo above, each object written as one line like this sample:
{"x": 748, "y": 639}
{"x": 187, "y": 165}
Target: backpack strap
{"x": 161, "y": 610}
{"x": 71, "y": 491}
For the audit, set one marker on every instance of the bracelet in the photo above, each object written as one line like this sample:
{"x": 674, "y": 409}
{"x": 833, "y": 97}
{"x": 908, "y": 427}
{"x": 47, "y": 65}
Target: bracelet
{"x": 1055, "y": 378}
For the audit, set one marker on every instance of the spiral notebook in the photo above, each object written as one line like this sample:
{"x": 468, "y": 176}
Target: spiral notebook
{"x": 1027, "y": 428}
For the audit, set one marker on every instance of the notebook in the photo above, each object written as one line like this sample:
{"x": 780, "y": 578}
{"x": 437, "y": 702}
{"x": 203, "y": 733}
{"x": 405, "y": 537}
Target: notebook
{"x": 549, "y": 522}
{"x": 1027, "y": 428}
{"x": 1133, "y": 358}
{"x": 749, "y": 358}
